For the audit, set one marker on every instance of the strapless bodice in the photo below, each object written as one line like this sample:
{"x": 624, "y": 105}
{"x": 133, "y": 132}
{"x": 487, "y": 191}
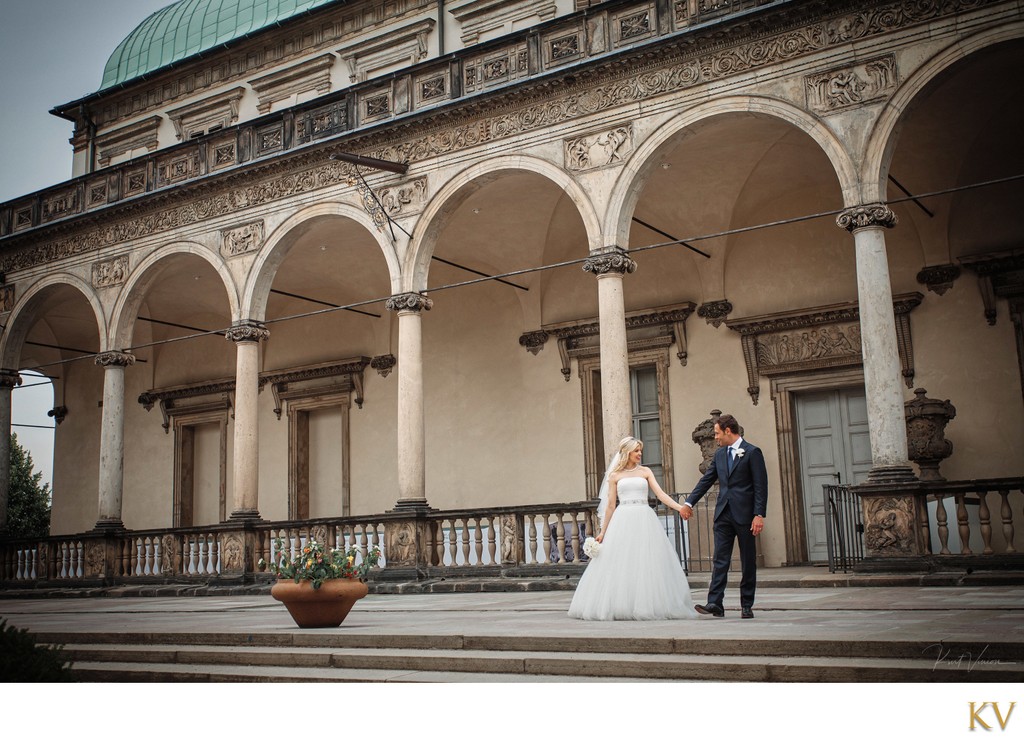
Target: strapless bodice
{"x": 632, "y": 491}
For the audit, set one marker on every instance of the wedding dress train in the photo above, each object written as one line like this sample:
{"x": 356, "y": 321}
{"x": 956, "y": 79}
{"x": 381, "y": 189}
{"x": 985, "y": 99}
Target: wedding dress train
{"x": 636, "y": 575}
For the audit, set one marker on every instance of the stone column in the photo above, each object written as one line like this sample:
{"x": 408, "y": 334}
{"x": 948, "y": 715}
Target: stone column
{"x": 247, "y": 335}
{"x": 8, "y": 379}
{"x": 617, "y": 411}
{"x": 411, "y": 441}
{"x": 112, "y": 438}
{"x": 882, "y": 373}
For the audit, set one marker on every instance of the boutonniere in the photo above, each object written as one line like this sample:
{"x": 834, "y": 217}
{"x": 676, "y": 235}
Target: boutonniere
{"x": 740, "y": 452}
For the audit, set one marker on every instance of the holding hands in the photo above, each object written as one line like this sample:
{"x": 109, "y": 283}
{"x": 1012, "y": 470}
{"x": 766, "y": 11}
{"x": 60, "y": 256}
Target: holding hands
{"x": 686, "y": 511}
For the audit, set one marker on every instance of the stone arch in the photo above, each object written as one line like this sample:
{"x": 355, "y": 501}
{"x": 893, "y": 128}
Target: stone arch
{"x": 884, "y": 136}
{"x": 23, "y": 316}
{"x": 122, "y": 321}
{"x": 270, "y": 257}
{"x": 460, "y": 187}
{"x": 625, "y": 192}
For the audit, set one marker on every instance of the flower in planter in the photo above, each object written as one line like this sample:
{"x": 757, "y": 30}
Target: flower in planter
{"x": 316, "y": 564}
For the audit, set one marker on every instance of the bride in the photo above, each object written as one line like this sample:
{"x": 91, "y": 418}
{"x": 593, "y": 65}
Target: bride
{"x": 636, "y": 575}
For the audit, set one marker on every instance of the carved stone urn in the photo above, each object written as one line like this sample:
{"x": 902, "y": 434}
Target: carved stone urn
{"x": 325, "y": 607}
{"x": 704, "y": 436}
{"x": 926, "y": 442}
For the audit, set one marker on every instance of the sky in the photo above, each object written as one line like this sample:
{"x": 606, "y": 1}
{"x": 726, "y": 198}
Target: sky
{"x": 51, "y": 52}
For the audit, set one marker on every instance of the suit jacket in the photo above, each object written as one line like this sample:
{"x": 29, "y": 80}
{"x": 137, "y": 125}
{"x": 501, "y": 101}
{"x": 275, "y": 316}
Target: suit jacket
{"x": 744, "y": 491}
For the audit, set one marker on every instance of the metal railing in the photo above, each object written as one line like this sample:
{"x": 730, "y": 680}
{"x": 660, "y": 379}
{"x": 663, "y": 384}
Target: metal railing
{"x": 844, "y": 527}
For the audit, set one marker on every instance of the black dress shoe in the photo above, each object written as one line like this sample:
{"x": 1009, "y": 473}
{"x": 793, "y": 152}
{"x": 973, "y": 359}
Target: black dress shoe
{"x": 710, "y": 609}
{"x": 747, "y": 613}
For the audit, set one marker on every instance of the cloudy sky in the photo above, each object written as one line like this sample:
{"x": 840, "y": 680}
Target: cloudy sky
{"x": 51, "y": 52}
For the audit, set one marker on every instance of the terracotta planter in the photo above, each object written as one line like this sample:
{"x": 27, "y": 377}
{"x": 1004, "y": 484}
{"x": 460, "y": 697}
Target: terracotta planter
{"x": 325, "y": 607}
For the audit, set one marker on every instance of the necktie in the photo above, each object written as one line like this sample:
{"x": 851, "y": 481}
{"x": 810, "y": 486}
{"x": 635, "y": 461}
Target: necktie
{"x": 730, "y": 459}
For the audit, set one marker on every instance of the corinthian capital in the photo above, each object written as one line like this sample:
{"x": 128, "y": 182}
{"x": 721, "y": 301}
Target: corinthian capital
{"x": 409, "y": 302}
{"x": 611, "y": 262}
{"x": 247, "y": 330}
{"x": 871, "y": 215}
{"x": 9, "y": 378}
{"x": 114, "y": 359}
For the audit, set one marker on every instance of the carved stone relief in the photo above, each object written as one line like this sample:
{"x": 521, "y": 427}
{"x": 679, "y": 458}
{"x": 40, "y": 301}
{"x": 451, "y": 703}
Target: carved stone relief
{"x": 511, "y": 539}
{"x": 715, "y": 312}
{"x": 95, "y": 559}
{"x": 400, "y": 542}
{"x": 321, "y": 122}
{"x": 634, "y": 25}
{"x": 491, "y": 69}
{"x": 816, "y": 338}
{"x": 59, "y": 204}
{"x": 889, "y": 526}
{"x": 560, "y": 47}
{"x": 110, "y": 272}
{"x": 170, "y": 555}
{"x": 247, "y": 238}
{"x": 178, "y": 167}
{"x": 599, "y": 149}
{"x": 6, "y": 298}
{"x": 383, "y": 364}
{"x": 852, "y": 86}
{"x": 404, "y": 198}
{"x": 232, "y": 553}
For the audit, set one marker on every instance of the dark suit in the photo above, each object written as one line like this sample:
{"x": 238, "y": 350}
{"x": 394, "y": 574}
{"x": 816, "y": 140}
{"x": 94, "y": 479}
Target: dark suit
{"x": 742, "y": 494}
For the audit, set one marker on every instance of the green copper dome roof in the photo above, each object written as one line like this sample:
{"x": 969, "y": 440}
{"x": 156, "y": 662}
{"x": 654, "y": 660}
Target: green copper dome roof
{"x": 187, "y": 27}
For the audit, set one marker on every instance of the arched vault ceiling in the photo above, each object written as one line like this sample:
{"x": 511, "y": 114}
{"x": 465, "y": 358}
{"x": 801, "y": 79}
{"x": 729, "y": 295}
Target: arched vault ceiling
{"x": 965, "y": 128}
{"x": 64, "y": 319}
{"x": 184, "y": 291}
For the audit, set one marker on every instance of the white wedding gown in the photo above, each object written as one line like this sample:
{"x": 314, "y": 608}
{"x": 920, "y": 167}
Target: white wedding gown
{"x": 636, "y": 575}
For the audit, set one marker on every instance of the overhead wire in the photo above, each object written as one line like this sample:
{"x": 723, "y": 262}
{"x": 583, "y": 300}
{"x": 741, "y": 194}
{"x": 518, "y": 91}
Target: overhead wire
{"x": 560, "y": 264}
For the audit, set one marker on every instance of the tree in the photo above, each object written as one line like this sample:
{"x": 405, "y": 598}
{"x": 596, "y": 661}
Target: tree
{"x": 28, "y": 501}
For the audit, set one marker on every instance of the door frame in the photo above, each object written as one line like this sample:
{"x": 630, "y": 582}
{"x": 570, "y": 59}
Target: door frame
{"x": 783, "y": 387}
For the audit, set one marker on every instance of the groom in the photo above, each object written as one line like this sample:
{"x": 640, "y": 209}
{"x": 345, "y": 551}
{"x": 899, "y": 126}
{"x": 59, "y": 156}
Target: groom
{"x": 738, "y": 467}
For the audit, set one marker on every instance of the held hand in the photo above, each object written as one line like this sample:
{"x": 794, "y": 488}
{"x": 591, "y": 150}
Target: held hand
{"x": 757, "y": 526}
{"x": 686, "y": 511}
{"x": 600, "y": 537}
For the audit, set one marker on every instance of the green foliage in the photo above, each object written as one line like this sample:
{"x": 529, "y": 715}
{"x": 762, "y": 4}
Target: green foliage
{"x": 316, "y": 564}
{"x": 23, "y": 660}
{"x": 28, "y": 501}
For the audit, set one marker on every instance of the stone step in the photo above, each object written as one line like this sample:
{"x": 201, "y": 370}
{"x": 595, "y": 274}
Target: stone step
{"x": 184, "y": 660}
{"x": 755, "y": 648}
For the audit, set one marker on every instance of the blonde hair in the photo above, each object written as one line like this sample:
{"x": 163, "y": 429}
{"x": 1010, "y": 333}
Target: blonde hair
{"x": 627, "y": 445}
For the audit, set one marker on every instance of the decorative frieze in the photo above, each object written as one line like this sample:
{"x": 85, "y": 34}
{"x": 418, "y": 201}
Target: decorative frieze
{"x": 599, "y": 149}
{"x": 431, "y": 88}
{"x": 270, "y": 139}
{"x": 247, "y": 330}
{"x": 611, "y": 262}
{"x": 634, "y": 25}
{"x": 862, "y": 217}
{"x": 178, "y": 167}
{"x": 96, "y": 193}
{"x": 223, "y": 154}
{"x": 560, "y": 47}
{"x": 110, "y": 272}
{"x": 409, "y": 302}
{"x": 852, "y": 86}
{"x": 816, "y": 338}
{"x": 134, "y": 182}
{"x": 383, "y": 364}
{"x": 938, "y": 279}
{"x": 247, "y": 238}
{"x": 114, "y": 359}
{"x": 371, "y": 204}
{"x": 321, "y": 122}
{"x": 715, "y": 312}
{"x": 59, "y": 204}
{"x": 490, "y": 69}
{"x": 654, "y": 328}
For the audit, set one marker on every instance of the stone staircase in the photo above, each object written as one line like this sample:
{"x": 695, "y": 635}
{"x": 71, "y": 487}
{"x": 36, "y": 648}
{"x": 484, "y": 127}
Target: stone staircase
{"x": 312, "y": 656}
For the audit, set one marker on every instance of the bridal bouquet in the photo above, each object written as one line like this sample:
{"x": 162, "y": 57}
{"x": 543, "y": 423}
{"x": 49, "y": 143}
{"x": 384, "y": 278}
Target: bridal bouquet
{"x": 591, "y": 547}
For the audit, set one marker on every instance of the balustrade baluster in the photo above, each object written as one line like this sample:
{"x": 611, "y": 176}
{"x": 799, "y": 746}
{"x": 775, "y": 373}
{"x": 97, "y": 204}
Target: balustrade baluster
{"x": 943, "y": 526}
{"x": 1006, "y": 514}
{"x": 560, "y": 536}
{"x": 574, "y": 540}
{"x": 363, "y": 549}
{"x": 125, "y": 549}
{"x": 478, "y": 541}
{"x": 452, "y": 542}
{"x": 216, "y": 554}
{"x": 34, "y": 572}
{"x": 986, "y": 526}
{"x": 492, "y": 540}
{"x": 51, "y": 561}
{"x": 545, "y": 531}
{"x": 19, "y": 574}
{"x": 148, "y": 545}
{"x": 962, "y": 525}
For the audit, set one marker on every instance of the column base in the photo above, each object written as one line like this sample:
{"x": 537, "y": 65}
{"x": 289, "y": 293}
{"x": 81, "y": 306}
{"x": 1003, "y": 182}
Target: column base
{"x": 897, "y": 474}
{"x": 109, "y": 524}
{"x": 406, "y": 504}
{"x": 246, "y": 514}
